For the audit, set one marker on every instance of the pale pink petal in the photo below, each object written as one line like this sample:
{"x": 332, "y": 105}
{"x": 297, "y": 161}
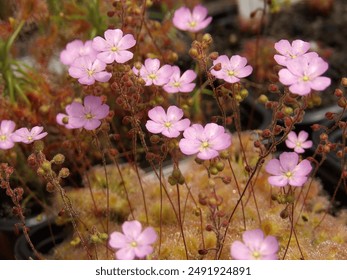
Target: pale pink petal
{"x": 244, "y": 72}
{"x": 107, "y": 56}
{"x": 189, "y": 146}
{"x": 123, "y": 56}
{"x": 278, "y": 181}
{"x": 221, "y": 142}
{"x": 126, "y": 253}
{"x": 132, "y": 229}
{"x": 91, "y": 124}
{"x": 269, "y": 246}
{"x": 86, "y": 80}
{"x": 157, "y": 114}
{"x": 303, "y": 168}
{"x": 152, "y": 65}
{"x": 320, "y": 83}
{"x": 102, "y": 76}
{"x": 174, "y": 113}
{"x": 300, "y": 88}
{"x": 182, "y": 124}
{"x": 148, "y": 236}
{"x": 127, "y": 42}
{"x": 273, "y": 167}
{"x": 188, "y": 76}
{"x": 289, "y": 161}
{"x": 253, "y": 239}
{"x": 300, "y": 47}
{"x": 207, "y": 153}
{"x": 113, "y": 36}
{"x": 7, "y": 126}
{"x": 154, "y": 127}
{"x": 283, "y": 47}
{"x": 287, "y": 78}
{"x": 117, "y": 240}
{"x": 100, "y": 44}
{"x": 143, "y": 251}
{"x": 240, "y": 251}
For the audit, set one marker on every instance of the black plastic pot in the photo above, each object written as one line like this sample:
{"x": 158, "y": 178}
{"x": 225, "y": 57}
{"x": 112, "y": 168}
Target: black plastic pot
{"x": 330, "y": 171}
{"x": 44, "y": 237}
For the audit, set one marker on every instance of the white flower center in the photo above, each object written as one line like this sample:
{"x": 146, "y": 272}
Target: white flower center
{"x": 288, "y": 174}
{"x": 256, "y": 255}
{"x": 152, "y": 76}
{"x": 90, "y": 72}
{"x": 204, "y": 145}
{"x": 89, "y": 116}
{"x": 176, "y": 84}
{"x": 192, "y": 23}
{"x": 305, "y": 78}
{"x": 231, "y": 73}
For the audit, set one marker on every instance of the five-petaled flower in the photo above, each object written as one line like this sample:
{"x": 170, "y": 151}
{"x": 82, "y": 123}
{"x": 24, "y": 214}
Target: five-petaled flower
{"x": 288, "y": 171}
{"x": 169, "y": 124}
{"x": 178, "y": 83}
{"x": 27, "y": 136}
{"x": 133, "y": 242}
{"x": 152, "y": 73}
{"x": 114, "y": 47}
{"x": 303, "y": 74}
{"x": 87, "y": 71}
{"x": 289, "y": 51}
{"x": 77, "y": 49}
{"x": 6, "y": 130}
{"x": 255, "y": 246}
{"x": 298, "y": 142}
{"x": 194, "y": 21}
{"x": 206, "y": 141}
{"x": 86, "y": 116}
{"x": 233, "y": 69}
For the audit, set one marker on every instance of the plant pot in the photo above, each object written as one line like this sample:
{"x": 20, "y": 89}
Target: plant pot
{"x": 330, "y": 171}
{"x": 8, "y": 232}
{"x": 44, "y": 237}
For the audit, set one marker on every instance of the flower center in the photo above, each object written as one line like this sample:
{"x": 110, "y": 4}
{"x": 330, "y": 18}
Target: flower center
{"x": 298, "y": 144}
{"x": 30, "y": 138}
{"x": 133, "y": 244}
{"x": 231, "y": 73}
{"x": 176, "y": 84}
{"x": 256, "y": 255}
{"x": 167, "y": 124}
{"x": 305, "y": 78}
{"x": 152, "y": 76}
{"x": 89, "y": 116}
{"x": 288, "y": 174}
{"x": 3, "y": 137}
{"x": 204, "y": 145}
{"x": 90, "y": 72}
{"x": 114, "y": 49}
{"x": 192, "y": 23}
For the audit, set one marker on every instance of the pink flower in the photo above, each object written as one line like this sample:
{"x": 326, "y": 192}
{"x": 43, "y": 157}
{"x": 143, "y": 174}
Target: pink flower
{"x": 291, "y": 51}
{"x": 287, "y": 171}
{"x": 206, "y": 141}
{"x": 114, "y": 46}
{"x": 303, "y": 74}
{"x": 6, "y": 130}
{"x": 87, "y": 71}
{"x": 27, "y": 136}
{"x": 178, "y": 83}
{"x": 77, "y": 49}
{"x": 194, "y": 21}
{"x": 87, "y": 116}
{"x": 63, "y": 119}
{"x": 298, "y": 142}
{"x": 255, "y": 246}
{"x": 168, "y": 124}
{"x": 233, "y": 69}
{"x": 133, "y": 242}
{"x": 152, "y": 73}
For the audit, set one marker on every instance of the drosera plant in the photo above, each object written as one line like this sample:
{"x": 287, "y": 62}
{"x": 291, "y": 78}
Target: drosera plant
{"x": 130, "y": 104}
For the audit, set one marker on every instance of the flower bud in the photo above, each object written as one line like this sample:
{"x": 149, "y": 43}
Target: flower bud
{"x": 59, "y": 159}
{"x": 64, "y": 172}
